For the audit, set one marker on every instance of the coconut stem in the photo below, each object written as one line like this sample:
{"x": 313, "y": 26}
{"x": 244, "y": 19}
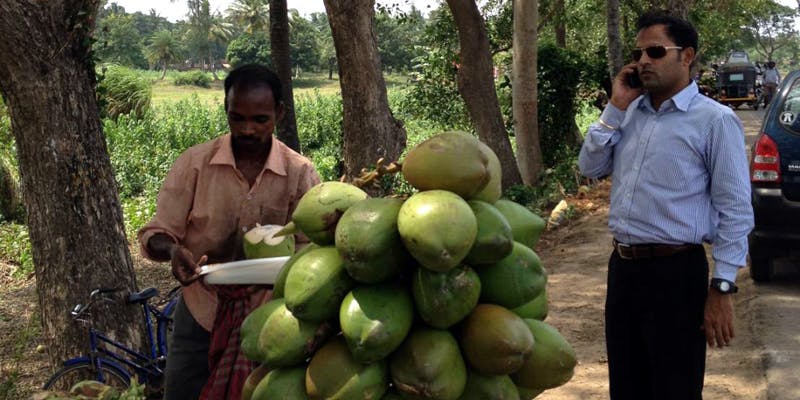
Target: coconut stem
{"x": 371, "y": 177}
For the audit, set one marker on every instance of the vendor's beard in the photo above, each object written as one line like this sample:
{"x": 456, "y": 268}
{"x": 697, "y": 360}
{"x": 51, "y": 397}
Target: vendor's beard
{"x": 249, "y": 144}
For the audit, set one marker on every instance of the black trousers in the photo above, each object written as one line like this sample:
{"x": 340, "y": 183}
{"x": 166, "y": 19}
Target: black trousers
{"x": 187, "y": 361}
{"x": 654, "y": 314}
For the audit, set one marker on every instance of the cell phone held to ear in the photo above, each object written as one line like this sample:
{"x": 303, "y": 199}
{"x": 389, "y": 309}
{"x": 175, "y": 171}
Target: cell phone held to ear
{"x": 632, "y": 80}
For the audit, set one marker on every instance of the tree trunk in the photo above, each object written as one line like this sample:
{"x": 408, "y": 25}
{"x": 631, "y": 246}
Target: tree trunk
{"x": 476, "y": 86}
{"x": 282, "y": 59}
{"x": 74, "y": 216}
{"x": 370, "y": 130}
{"x": 560, "y": 25}
{"x": 615, "y": 60}
{"x": 163, "y": 72}
{"x": 525, "y": 108}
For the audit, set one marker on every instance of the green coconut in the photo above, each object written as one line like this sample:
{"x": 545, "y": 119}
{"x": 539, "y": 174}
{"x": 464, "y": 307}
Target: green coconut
{"x": 251, "y": 329}
{"x": 368, "y": 240}
{"x": 494, "y": 188}
{"x": 285, "y": 340}
{"x": 451, "y": 161}
{"x": 525, "y": 225}
{"x": 282, "y": 383}
{"x": 333, "y": 373}
{"x": 495, "y": 341}
{"x": 438, "y": 228}
{"x": 494, "y": 239}
{"x": 252, "y": 381}
{"x": 445, "y": 298}
{"x": 534, "y": 309}
{"x": 280, "y": 280}
{"x": 375, "y": 320}
{"x": 428, "y": 365}
{"x": 486, "y": 387}
{"x": 316, "y": 285}
{"x": 552, "y": 362}
{"x": 261, "y": 242}
{"x": 320, "y": 208}
{"x": 515, "y": 280}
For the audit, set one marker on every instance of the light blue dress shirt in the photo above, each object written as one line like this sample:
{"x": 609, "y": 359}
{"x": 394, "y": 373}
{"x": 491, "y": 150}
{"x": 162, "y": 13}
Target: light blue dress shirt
{"x": 680, "y": 175}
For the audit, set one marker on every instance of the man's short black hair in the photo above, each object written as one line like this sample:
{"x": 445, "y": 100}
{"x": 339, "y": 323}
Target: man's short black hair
{"x": 679, "y": 30}
{"x": 254, "y": 75}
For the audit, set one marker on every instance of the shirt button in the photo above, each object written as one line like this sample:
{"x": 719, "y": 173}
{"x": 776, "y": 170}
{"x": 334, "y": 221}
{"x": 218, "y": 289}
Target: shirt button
{"x": 628, "y": 194}
{"x": 249, "y": 197}
{"x": 244, "y": 229}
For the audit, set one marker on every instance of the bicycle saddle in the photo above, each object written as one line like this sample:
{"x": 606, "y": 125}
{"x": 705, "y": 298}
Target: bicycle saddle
{"x": 143, "y": 295}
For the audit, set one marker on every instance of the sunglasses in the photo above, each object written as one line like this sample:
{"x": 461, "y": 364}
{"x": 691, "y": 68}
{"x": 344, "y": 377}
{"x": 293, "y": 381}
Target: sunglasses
{"x": 652, "y": 51}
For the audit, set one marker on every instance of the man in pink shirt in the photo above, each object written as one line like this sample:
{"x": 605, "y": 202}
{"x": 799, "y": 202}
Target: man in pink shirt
{"x": 214, "y": 193}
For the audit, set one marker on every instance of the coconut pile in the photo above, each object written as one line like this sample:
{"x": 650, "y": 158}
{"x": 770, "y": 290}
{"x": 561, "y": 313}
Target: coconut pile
{"x": 436, "y": 296}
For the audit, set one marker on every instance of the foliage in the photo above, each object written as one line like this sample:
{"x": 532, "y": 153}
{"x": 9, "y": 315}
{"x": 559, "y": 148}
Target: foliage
{"x": 206, "y": 31}
{"x": 252, "y": 15}
{"x": 143, "y": 150}
{"x": 319, "y": 127}
{"x": 193, "y": 78}
{"x": 124, "y": 91}
{"x": 249, "y": 48}
{"x": 395, "y": 34}
{"x": 119, "y": 41}
{"x": 15, "y": 248}
{"x": 307, "y": 42}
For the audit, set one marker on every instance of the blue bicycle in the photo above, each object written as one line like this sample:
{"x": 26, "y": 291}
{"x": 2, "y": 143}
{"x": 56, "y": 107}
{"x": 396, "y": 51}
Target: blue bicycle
{"x": 113, "y": 363}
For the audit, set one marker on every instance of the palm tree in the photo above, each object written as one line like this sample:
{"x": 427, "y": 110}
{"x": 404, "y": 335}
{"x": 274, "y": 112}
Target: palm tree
{"x": 163, "y": 49}
{"x": 253, "y": 15}
{"x": 207, "y": 30}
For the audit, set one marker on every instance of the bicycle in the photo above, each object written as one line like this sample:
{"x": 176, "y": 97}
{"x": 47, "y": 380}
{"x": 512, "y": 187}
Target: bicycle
{"x": 113, "y": 363}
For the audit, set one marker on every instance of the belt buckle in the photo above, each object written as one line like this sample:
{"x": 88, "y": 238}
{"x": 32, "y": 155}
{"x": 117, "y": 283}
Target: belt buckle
{"x": 621, "y": 246}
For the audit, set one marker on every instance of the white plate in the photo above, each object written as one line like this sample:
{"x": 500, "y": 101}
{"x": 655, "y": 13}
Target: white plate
{"x": 259, "y": 271}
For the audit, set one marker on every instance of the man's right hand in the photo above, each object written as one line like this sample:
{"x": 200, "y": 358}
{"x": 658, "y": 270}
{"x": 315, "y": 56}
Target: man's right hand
{"x": 621, "y": 94}
{"x": 184, "y": 268}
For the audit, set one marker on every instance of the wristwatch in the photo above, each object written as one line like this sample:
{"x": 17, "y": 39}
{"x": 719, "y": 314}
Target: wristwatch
{"x": 723, "y": 286}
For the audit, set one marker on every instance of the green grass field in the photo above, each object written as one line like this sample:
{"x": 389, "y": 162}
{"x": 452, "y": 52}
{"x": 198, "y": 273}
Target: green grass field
{"x": 165, "y": 91}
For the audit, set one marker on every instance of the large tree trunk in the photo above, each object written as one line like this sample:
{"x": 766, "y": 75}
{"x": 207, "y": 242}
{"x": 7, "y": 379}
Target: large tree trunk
{"x": 370, "y": 130}
{"x": 615, "y": 61}
{"x": 560, "y": 25}
{"x": 476, "y": 86}
{"x": 282, "y": 59}
{"x": 74, "y": 216}
{"x": 526, "y": 128}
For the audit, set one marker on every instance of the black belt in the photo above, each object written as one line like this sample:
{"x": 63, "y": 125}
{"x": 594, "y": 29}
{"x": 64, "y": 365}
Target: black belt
{"x": 645, "y": 251}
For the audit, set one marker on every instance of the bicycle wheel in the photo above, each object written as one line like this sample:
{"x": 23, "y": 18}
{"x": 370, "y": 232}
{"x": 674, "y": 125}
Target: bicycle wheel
{"x": 66, "y": 377}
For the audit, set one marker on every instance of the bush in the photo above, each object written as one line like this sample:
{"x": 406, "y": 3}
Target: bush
{"x": 319, "y": 128}
{"x": 15, "y": 248}
{"x": 193, "y": 78}
{"x": 123, "y": 91}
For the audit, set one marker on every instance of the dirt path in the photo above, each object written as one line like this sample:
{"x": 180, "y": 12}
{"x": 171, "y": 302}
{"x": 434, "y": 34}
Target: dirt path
{"x": 575, "y": 256}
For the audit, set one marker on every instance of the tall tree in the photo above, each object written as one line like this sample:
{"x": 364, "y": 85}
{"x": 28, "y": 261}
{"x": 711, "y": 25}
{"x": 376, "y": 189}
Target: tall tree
{"x": 476, "y": 86}
{"x": 162, "y": 50}
{"x": 253, "y": 15}
{"x": 74, "y": 216}
{"x": 526, "y": 129}
{"x": 772, "y": 28}
{"x": 370, "y": 130}
{"x": 205, "y": 31}
{"x": 282, "y": 61}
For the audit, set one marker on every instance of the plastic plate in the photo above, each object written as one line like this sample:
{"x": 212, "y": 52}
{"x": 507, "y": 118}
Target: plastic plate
{"x": 259, "y": 271}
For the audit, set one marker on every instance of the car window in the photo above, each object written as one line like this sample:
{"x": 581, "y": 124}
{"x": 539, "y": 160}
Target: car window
{"x": 790, "y": 110}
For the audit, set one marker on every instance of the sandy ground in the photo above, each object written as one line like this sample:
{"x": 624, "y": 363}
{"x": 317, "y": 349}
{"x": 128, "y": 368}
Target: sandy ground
{"x": 575, "y": 255}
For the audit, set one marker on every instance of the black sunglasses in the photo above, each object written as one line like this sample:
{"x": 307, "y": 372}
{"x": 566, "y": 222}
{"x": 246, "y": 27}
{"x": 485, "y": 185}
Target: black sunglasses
{"x": 653, "y": 51}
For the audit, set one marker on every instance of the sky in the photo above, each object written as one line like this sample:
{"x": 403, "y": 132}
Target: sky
{"x": 177, "y": 10}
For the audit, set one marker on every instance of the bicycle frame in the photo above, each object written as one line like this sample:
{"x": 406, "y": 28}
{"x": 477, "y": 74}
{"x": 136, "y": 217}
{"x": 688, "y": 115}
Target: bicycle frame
{"x": 104, "y": 350}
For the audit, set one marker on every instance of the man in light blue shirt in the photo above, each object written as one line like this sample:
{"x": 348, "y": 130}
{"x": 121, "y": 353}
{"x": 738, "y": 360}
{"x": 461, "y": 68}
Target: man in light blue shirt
{"x": 680, "y": 179}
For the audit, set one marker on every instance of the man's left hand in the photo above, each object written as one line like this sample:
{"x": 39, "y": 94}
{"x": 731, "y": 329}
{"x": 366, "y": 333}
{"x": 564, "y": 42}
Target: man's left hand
{"x": 718, "y": 320}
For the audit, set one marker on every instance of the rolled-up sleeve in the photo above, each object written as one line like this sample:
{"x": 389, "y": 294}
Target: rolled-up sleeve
{"x": 173, "y": 205}
{"x": 596, "y": 158}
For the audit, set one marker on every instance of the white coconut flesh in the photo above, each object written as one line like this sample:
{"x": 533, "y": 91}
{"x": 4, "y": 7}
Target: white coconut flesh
{"x": 266, "y": 234}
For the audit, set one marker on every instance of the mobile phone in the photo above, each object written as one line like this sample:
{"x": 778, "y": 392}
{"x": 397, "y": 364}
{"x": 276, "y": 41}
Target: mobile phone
{"x": 633, "y": 79}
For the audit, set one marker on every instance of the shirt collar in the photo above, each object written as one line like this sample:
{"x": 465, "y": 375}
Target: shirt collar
{"x": 680, "y": 100}
{"x": 224, "y": 156}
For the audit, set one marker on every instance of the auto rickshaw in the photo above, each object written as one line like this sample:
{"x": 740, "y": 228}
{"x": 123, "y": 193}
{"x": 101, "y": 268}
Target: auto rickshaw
{"x": 736, "y": 81}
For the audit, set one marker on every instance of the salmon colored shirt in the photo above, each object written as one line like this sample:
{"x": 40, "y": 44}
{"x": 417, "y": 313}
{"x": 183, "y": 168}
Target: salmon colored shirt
{"x": 207, "y": 205}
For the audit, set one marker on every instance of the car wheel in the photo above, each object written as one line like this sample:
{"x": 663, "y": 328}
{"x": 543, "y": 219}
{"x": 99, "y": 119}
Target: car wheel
{"x": 761, "y": 269}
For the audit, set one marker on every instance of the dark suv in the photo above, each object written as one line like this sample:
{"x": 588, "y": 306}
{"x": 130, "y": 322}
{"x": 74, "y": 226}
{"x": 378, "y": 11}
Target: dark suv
{"x": 775, "y": 181}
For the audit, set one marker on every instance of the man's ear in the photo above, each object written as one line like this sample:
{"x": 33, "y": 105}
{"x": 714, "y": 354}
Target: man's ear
{"x": 281, "y": 111}
{"x": 688, "y": 56}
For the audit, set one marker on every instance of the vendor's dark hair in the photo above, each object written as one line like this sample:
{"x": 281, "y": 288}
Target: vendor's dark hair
{"x": 254, "y": 75}
{"x": 681, "y": 31}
